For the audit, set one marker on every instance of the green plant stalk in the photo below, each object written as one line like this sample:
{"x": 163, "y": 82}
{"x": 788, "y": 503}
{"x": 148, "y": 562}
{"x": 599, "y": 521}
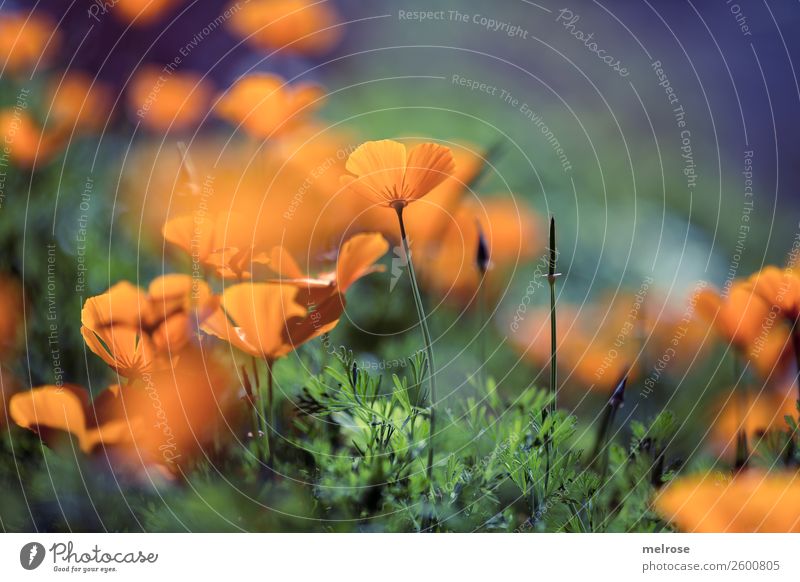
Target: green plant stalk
{"x": 551, "y": 279}
{"x": 482, "y": 334}
{"x": 270, "y": 413}
{"x": 426, "y": 334}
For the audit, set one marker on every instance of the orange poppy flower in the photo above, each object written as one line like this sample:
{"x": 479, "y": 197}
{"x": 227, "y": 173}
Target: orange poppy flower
{"x": 356, "y": 259}
{"x": 165, "y": 101}
{"x": 303, "y": 26}
{"x": 131, "y": 330}
{"x": 141, "y": 12}
{"x": 217, "y": 241}
{"x": 111, "y": 327}
{"x": 79, "y": 103}
{"x": 390, "y": 176}
{"x": 259, "y": 318}
{"x": 26, "y": 40}
{"x": 425, "y": 222}
{"x": 266, "y": 106}
{"x": 779, "y": 288}
{"x": 175, "y": 413}
{"x": 67, "y": 409}
{"x": 270, "y": 320}
{"x": 25, "y": 141}
{"x": 750, "y": 502}
{"x": 751, "y": 413}
{"x": 740, "y": 319}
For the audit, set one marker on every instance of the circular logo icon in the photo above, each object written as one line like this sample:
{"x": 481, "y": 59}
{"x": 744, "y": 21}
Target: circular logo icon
{"x": 31, "y": 555}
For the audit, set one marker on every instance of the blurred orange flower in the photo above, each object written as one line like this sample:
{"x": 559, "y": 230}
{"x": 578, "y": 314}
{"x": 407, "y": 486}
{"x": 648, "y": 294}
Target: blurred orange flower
{"x": 49, "y": 410}
{"x": 175, "y": 413}
{"x": 217, "y": 241}
{"x": 141, "y": 12}
{"x": 754, "y": 414}
{"x": 131, "y": 330}
{"x": 741, "y": 319}
{"x": 25, "y": 141}
{"x": 168, "y": 101}
{"x": 266, "y": 106}
{"x": 388, "y": 175}
{"x": 592, "y": 349}
{"x": 78, "y": 103}
{"x": 780, "y": 288}
{"x": 750, "y": 502}
{"x": 26, "y": 40}
{"x": 303, "y": 26}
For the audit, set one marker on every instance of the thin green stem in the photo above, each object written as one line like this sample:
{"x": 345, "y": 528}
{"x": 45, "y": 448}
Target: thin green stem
{"x": 426, "y": 334}
{"x": 481, "y": 333}
{"x": 551, "y": 279}
{"x": 270, "y": 407}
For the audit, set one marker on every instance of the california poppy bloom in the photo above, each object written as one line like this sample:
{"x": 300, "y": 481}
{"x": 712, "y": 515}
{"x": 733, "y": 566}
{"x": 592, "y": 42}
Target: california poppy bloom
{"x": 259, "y": 318}
{"x": 741, "y": 320}
{"x": 303, "y": 26}
{"x": 438, "y": 210}
{"x": 25, "y": 140}
{"x": 356, "y": 259}
{"x": 266, "y": 106}
{"x": 132, "y": 330}
{"x": 779, "y": 288}
{"x": 26, "y": 40}
{"x": 388, "y": 175}
{"x": 49, "y": 410}
{"x": 174, "y": 413}
{"x": 750, "y": 502}
{"x": 78, "y": 103}
{"x": 168, "y": 101}
{"x": 217, "y": 241}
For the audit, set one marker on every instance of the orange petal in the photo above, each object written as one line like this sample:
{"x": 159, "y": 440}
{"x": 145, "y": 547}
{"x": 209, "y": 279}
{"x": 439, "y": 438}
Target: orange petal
{"x": 357, "y": 258}
{"x": 53, "y": 407}
{"x": 429, "y": 164}
{"x": 380, "y": 167}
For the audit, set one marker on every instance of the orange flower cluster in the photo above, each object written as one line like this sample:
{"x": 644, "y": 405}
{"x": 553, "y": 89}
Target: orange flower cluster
{"x": 177, "y": 394}
{"x": 74, "y": 105}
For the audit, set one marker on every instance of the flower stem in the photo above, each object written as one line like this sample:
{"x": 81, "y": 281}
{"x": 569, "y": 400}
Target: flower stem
{"x": 551, "y": 279}
{"x": 270, "y": 408}
{"x": 426, "y": 334}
